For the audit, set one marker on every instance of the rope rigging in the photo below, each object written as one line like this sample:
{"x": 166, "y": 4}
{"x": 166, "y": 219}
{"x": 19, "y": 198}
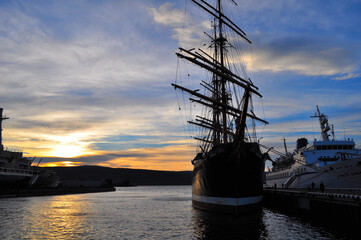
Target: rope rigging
{"x": 230, "y": 57}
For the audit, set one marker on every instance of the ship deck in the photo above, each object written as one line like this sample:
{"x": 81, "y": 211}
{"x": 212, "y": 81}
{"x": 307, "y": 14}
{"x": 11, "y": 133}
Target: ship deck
{"x": 339, "y": 207}
{"x": 318, "y": 192}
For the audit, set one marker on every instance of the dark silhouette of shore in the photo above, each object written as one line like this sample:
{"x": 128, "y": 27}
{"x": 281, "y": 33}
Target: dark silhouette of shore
{"x": 122, "y": 176}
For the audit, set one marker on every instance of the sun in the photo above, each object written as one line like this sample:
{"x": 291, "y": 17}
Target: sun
{"x": 67, "y": 151}
{"x": 68, "y": 146}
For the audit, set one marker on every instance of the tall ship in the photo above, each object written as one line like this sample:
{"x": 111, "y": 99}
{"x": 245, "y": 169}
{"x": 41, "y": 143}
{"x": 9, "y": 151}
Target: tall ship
{"x": 17, "y": 171}
{"x": 228, "y": 172}
{"x": 327, "y": 163}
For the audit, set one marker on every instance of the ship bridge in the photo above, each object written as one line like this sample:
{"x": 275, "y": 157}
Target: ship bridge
{"x": 323, "y": 152}
{"x": 334, "y": 145}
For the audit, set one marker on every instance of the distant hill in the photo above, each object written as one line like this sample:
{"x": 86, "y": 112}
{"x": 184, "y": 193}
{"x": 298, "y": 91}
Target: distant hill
{"x": 123, "y": 176}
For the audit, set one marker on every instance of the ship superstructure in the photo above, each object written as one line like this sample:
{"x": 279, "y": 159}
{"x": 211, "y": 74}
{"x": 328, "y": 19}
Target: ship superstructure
{"x": 16, "y": 171}
{"x": 334, "y": 163}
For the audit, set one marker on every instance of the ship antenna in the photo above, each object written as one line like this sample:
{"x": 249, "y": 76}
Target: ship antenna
{"x": 1, "y": 129}
{"x": 323, "y": 124}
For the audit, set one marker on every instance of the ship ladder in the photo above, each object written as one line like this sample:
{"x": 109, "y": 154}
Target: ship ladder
{"x": 290, "y": 180}
{"x": 33, "y": 180}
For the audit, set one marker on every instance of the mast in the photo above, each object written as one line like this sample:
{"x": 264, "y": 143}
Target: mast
{"x": 242, "y": 124}
{"x": 221, "y": 41}
{"x": 216, "y": 135}
{"x": 322, "y": 118}
{"x": 284, "y": 144}
{"x": 218, "y": 98}
{"x": 1, "y": 129}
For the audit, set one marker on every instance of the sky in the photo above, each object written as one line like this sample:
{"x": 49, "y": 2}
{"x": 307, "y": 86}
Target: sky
{"x": 88, "y": 82}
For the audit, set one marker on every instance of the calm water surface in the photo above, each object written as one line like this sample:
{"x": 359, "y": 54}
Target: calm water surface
{"x": 143, "y": 213}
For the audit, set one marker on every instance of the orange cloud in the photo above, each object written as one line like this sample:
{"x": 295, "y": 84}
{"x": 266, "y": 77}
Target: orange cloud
{"x": 169, "y": 158}
{"x": 61, "y": 164}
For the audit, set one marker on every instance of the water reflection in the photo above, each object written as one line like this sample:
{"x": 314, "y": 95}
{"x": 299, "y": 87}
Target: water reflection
{"x": 144, "y": 213}
{"x": 217, "y": 226}
{"x": 285, "y": 225}
{"x": 63, "y": 217}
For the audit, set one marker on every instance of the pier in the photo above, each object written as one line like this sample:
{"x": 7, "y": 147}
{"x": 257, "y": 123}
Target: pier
{"x": 339, "y": 207}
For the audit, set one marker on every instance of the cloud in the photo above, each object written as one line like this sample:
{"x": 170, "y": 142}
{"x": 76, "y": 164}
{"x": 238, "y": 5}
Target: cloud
{"x": 43, "y": 66}
{"x": 348, "y": 76}
{"x": 296, "y": 52}
{"x": 88, "y": 77}
{"x": 167, "y": 16}
{"x": 345, "y": 126}
{"x": 275, "y": 50}
{"x": 162, "y": 158}
{"x": 188, "y": 32}
{"x": 66, "y": 81}
{"x": 303, "y": 55}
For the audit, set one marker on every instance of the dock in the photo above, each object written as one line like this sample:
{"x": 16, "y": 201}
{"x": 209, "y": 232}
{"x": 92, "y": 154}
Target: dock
{"x": 340, "y": 207}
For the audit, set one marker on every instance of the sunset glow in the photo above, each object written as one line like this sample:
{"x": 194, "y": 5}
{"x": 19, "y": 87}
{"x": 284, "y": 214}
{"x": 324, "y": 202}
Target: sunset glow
{"x": 67, "y": 151}
{"x": 61, "y": 164}
{"x": 87, "y": 83}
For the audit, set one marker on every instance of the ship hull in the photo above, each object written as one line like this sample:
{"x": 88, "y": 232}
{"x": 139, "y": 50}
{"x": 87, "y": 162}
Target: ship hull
{"x": 340, "y": 175}
{"x": 229, "y": 180}
{"x": 47, "y": 180}
{"x": 14, "y": 180}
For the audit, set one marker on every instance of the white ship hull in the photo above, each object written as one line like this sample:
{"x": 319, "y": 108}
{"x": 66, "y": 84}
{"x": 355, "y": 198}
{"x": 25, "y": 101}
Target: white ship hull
{"x": 342, "y": 174}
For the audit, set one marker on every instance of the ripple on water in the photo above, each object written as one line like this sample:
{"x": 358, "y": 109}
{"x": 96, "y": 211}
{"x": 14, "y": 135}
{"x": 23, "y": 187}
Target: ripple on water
{"x": 143, "y": 213}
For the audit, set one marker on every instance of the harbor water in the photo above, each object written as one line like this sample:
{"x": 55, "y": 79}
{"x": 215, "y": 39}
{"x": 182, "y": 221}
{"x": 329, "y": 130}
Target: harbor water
{"x": 152, "y": 212}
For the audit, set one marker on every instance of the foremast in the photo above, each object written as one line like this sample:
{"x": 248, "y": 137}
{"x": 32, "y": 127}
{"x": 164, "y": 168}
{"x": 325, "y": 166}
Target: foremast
{"x": 220, "y": 99}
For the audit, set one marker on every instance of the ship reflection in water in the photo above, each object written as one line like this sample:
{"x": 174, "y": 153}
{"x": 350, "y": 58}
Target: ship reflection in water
{"x": 216, "y": 226}
{"x": 153, "y": 212}
{"x": 265, "y": 224}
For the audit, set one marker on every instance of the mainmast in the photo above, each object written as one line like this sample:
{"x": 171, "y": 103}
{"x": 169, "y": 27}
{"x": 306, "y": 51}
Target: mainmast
{"x": 216, "y": 96}
{"x": 1, "y": 128}
{"x": 216, "y": 134}
{"x": 221, "y": 41}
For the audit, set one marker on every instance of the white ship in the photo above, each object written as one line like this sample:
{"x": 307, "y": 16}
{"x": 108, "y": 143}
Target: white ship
{"x": 328, "y": 163}
{"x": 16, "y": 171}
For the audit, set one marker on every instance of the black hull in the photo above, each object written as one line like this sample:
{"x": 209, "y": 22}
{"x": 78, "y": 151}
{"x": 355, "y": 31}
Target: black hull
{"x": 229, "y": 180}
{"x": 14, "y": 181}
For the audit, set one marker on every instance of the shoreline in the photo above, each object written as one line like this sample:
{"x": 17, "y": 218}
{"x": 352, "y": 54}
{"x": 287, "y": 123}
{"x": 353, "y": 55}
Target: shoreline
{"x": 14, "y": 193}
